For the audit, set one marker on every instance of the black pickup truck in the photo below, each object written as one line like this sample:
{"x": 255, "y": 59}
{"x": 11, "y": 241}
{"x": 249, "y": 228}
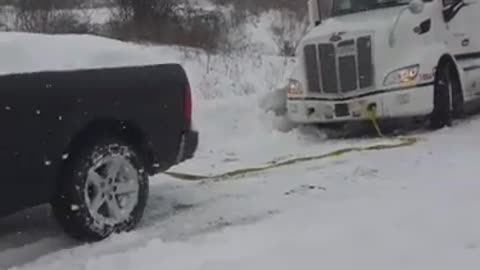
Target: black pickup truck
{"x": 86, "y": 142}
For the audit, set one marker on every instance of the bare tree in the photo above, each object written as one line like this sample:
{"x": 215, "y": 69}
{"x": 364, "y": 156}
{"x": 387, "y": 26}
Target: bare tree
{"x": 50, "y": 16}
{"x": 146, "y": 11}
{"x": 258, "y": 6}
{"x": 288, "y": 30}
{"x": 34, "y": 16}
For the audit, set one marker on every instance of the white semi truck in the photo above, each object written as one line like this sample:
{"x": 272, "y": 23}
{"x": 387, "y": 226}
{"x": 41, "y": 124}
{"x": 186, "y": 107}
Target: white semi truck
{"x": 400, "y": 58}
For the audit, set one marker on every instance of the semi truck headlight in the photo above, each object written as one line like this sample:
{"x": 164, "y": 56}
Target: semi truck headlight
{"x": 403, "y": 76}
{"x": 294, "y": 88}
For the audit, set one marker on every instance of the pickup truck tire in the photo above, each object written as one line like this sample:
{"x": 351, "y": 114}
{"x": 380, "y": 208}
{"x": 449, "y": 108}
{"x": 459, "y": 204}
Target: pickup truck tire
{"x": 103, "y": 190}
{"x": 448, "y": 97}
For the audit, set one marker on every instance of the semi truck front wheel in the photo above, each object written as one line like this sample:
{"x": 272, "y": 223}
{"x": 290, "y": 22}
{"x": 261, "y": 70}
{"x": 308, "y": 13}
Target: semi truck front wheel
{"x": 447, "y": 97}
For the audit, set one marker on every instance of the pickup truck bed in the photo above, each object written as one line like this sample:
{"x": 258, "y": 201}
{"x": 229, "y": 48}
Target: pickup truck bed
{"x": 54, "y": 125}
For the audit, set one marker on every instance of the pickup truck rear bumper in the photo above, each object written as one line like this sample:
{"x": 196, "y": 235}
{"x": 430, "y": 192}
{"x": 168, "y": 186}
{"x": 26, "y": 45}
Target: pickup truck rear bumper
{"x": 188, "y": 145}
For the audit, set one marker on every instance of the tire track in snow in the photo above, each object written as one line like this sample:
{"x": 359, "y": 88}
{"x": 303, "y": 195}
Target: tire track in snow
{"x": 25, "y": 240}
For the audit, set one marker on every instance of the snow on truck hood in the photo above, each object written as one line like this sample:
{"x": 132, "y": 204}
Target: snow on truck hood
{"x": 379, "y": 21}
{"x": 26, "y": 52}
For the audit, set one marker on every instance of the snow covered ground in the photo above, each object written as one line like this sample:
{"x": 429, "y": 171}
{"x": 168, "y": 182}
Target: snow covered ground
{"x": 409, "y": 208}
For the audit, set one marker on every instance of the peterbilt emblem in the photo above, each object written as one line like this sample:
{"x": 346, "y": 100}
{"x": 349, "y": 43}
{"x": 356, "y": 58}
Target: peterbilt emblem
{"x": 336, "y": 36}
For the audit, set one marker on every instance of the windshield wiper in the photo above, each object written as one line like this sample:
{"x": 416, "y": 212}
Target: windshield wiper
{"x": 351, "y": 11}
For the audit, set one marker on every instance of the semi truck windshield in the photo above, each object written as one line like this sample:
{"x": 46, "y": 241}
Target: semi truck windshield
{"x": 342, "y": 7}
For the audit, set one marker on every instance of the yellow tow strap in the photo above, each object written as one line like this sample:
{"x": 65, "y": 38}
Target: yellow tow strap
{"x": 244, "y": 172}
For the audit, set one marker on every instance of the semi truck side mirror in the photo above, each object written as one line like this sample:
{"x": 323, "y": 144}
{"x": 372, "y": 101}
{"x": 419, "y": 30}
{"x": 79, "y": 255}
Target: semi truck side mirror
{"x": 314, "y": 12}
{"x": 416, "y": 6}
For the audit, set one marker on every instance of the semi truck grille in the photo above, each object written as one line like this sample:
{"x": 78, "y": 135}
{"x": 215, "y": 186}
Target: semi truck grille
{"x": 339, "y": 68}
{"x": 329, "y": 67}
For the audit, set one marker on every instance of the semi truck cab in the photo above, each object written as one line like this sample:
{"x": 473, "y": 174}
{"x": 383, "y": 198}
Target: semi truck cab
{"x": 400, "y": 57}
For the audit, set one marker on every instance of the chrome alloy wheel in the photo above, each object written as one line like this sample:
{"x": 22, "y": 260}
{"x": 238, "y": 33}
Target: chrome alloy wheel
{"x": 111, "y": 190}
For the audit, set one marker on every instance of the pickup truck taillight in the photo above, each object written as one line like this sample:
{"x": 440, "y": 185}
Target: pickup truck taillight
{"x": 187, "y": 109}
